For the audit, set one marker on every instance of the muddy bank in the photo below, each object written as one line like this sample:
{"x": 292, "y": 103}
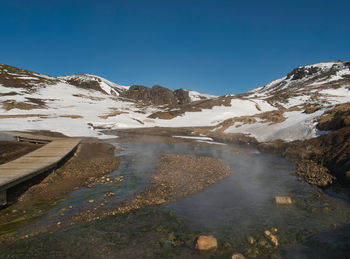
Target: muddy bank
{"x": 91, "y": 160}
{"x": 11, "y": 150}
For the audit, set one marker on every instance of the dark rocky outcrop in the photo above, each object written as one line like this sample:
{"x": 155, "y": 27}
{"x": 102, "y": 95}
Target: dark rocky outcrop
{"x": 182, "y": 96}
{"x": 11, "y": 76}
{"x": 301, "y": 72}
{"x": 157, "y": 95}
{"x": 89, "y": 85}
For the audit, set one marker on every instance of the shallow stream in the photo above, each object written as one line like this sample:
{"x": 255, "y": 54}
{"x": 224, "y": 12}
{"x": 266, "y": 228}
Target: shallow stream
{"x": 235, "y": 210}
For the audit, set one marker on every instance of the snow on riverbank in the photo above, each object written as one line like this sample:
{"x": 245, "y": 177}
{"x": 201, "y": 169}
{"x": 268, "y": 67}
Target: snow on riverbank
{"x": 298, "y": 125}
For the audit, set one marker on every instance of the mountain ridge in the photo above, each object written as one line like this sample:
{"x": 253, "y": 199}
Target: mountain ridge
{"x": 87, "y": 102}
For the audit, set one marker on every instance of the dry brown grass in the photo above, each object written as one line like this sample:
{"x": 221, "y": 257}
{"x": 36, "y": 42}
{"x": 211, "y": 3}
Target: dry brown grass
{"x": 42, "y": 116}
{"x": 36, "y": 101}
{"x": 11, "y": 104}
{"x": 93, "y": 98}
{"x": 196, "y": 106}
{"x": 10, "y": 116}
{"x": 72, "y": 116}
{"x": 8, "y": 94}
{"x": 113, "y": 113}
{"x": 272, "y": 117}
{"x": 311, "y": 108}
{"x": 164, "y": 115}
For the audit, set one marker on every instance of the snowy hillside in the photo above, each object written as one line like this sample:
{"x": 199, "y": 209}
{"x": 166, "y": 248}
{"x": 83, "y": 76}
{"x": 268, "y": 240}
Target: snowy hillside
{"x": 196, "y": 96}
{"x": 85, "y": 79}
{"x": 83, "y": 105}
{"x": 301, "y": 97}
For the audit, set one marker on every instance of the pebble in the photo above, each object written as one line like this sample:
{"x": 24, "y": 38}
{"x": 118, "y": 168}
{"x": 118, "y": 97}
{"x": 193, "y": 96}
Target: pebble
{"x": 91, "y": 201}
{"x": 273, "y": 239}
{"x": 251, "y": 240}
{"x": 283, "y": 200}
{"x": 206, "y": 243}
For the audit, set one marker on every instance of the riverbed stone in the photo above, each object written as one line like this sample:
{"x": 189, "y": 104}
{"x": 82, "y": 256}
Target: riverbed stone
{"x": 251, "y": 240}
{"x": 238, "y": 256}
{"x": 272, "y": 238}
{"x": 283, "y": 200}
{"x": 206, "y": 243}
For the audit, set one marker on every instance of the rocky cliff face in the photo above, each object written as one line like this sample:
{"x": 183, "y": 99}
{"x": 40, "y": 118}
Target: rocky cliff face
{"x": 157, "y": 95}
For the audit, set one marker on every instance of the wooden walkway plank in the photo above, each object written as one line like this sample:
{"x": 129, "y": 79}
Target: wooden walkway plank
{"x": 36, "y": 162}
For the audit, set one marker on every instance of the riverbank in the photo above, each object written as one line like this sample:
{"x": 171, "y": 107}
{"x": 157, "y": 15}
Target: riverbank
{"x": 92, "y": 159}
{"x": 161, "y": 211}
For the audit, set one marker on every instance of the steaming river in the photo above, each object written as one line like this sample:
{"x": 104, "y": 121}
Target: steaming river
{"x": 240, "y": 206}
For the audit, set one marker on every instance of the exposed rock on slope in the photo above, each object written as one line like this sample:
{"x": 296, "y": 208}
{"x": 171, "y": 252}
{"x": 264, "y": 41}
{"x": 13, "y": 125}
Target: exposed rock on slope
{"x": 91, "y": 82}
{"x": 157, "y": 95}
{"x": 20, "y": 78}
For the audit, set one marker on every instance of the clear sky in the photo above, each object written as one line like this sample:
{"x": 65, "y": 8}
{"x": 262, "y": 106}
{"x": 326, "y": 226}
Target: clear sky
{"x": 217, "y": 47}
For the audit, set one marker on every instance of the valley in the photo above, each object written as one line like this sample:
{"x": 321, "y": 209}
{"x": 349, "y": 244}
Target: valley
{"x": 158, "y": 167}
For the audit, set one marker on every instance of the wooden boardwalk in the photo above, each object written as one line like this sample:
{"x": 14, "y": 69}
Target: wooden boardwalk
{"x": 39, "y": 161}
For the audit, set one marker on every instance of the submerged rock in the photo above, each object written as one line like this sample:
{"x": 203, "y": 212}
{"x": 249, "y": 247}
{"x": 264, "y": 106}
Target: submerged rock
{"x": 206, "y": 243}
{"x": 272, "y": 238}
{"x": 283, "y": 200}
{"x": 251, "y": 240}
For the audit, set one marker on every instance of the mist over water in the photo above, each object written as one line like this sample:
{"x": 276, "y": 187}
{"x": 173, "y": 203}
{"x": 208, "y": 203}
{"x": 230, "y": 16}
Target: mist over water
{"x": 240, "y": 205}
{"x": 244, "y": 203}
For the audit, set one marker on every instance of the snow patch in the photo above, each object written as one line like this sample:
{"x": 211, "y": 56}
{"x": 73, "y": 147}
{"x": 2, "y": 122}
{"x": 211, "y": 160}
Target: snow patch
{"x": 298, "y": 125}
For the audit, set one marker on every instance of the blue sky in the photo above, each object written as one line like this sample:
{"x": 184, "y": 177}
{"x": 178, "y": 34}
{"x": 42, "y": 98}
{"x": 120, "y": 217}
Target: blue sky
{"x": 217, "y": 47}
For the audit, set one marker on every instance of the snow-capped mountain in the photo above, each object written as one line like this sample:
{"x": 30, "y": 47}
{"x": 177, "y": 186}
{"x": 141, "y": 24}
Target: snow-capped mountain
{"x": 81, "y": 105}
{"x": 313, "y": 84}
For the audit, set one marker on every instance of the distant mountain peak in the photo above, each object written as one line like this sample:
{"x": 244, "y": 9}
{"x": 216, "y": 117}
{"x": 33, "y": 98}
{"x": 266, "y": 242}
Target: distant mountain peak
{"x": 308, "y": 79}
{"x": 93, "y": 82}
